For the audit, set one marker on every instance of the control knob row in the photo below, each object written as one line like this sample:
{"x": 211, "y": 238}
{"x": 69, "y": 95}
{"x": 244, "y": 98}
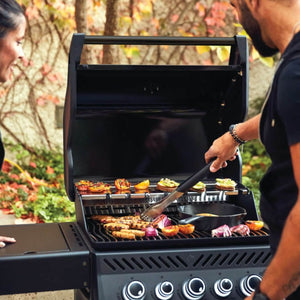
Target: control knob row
{"x": 192, "y": 289}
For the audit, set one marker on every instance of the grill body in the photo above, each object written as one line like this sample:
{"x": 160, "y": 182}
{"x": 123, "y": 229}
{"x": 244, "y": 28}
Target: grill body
{"x": 110, "y": 112}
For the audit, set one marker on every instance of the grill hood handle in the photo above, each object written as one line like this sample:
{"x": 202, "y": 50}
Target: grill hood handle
{"x": 155, "y": 210}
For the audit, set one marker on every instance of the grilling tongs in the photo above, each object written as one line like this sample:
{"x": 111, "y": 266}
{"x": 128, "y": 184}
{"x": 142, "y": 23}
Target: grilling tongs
{"x": 155, "y": 210}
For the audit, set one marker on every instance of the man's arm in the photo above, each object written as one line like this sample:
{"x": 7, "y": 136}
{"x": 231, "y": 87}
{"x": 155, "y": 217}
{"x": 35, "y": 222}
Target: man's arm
{"x": 282, "y": 276}
{"x": 224, "y": 148}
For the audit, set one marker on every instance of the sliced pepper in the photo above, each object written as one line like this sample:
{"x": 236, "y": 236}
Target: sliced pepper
{"x": 254, "y": 225}
{"x": 122, "y": 184}
{"x": 170, "y": 230}
{"x": 142, "y": 185}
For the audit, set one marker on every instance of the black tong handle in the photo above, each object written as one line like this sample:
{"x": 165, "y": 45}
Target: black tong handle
{"x": 193, "y": 179}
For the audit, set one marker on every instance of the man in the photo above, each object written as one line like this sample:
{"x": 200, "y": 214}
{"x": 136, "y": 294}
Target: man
{"x": 274, "y": 25}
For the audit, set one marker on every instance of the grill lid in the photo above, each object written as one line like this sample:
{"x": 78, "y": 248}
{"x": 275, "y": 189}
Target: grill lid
{"x": 148, "y": 122}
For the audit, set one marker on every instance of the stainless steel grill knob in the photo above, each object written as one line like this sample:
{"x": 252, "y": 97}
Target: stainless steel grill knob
{"x": 135, "y": 290}
{"x": 164, "y": 290}
{"x": 249, "y": 283}
{"x": 223, "y": 287}
{"x": 193, "y": 289}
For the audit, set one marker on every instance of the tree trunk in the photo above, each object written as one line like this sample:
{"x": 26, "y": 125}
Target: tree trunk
{"x": 110, "y": 29}
{"x": 81, "y": 25}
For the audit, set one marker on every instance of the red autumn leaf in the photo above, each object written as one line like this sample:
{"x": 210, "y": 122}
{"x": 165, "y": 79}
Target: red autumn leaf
{"x": 32, "y": 13}
{"x": 45, "y": 69}
{"x": 15, "y": 176}
{"x": 6, "y": 167}
{"x": 32, "y": 164}
{"x": 50, "y": 170}
{"x": 174, "y": 18}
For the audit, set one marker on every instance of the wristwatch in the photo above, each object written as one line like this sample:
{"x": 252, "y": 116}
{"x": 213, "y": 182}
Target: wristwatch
{"x": 258, "y": 295}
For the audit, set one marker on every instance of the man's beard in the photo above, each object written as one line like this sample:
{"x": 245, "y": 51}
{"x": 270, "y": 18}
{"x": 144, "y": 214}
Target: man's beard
{"x": 253, "y": 29}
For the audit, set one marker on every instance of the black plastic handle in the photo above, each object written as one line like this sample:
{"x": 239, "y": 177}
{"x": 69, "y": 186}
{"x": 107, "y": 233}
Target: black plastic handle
{"x": 193, "y": 179}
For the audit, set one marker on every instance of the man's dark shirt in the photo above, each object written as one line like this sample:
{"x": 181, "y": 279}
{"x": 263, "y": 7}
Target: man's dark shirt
{"x": 279, "y": 129}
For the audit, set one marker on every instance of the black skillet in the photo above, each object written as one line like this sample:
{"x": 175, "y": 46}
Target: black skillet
{"x": 224, "y": 213}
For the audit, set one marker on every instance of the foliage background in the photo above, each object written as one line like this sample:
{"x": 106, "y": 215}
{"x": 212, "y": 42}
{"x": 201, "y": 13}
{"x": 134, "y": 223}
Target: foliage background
{"x": 30, "y": 101}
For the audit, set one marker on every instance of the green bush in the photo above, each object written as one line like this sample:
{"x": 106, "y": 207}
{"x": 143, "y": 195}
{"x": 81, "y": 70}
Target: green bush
{"x": 34, "y": 187}
{"x": 255, "y": 163}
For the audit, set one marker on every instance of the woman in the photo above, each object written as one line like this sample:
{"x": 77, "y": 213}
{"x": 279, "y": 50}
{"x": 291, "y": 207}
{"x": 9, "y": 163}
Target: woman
{"x": 12, "y": 31}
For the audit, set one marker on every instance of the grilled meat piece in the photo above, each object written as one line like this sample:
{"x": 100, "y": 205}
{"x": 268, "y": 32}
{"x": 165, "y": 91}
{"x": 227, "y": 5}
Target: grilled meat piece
{"x": 115, "y": 226}
{"x": 138, "y": 233}
{"x": 123, "y": 235}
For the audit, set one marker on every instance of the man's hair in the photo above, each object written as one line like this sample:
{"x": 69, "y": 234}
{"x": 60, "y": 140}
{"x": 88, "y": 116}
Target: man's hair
{"x": 10, "y": 12}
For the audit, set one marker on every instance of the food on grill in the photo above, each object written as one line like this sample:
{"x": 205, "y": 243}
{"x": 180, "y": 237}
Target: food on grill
{"x": 150, "y": 231}
{"x": 241, "y": 229}
{"x": 93, "y": 187}
{"x": 115, "y": 226}
{"x": 170, "y": 230}
{"x": 222, "y": 231}
{"x": 99, "y": 187}
{"x": 161, "y": 221}
{"x": 122, "y": 184}
{"x": 254, "y": 225}
{"x": 225, "y": 184}
{"x": 167, "y": 185}
{"x": 138, "y": 233}
{"x": 199, "y": 187}
{"x": 83, "y": 185}
{"x": 123, "y": 235}
{"x": 140, "y": 224}
{"x": 186, "y": 228}
{"x": 142, "y": 185}
{"x": 104, "y": 218}
{"x": 207, "y": 215}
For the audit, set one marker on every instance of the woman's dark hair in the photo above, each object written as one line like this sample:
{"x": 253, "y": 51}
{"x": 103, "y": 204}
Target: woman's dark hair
{"x": 10, "y": 11}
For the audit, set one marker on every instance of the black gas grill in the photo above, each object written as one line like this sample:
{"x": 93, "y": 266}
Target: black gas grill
{"x": 112, "y": 115}
{"x": 150, "y": 122}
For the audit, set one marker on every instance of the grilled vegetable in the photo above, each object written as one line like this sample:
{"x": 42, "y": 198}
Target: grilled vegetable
{"x": 222, "y": 231}
{"x": 122, "y": 184}
{"x": 150, "y": 231}
{"x": 240, "y": 229}
{"x": 170, "y": 230}
{"x": 254, "y": 225}
{"x": 161, "y": 221}
{"x": 142, "y": 185}
{"x": 187, "y": 228}
{"x": 99, "y": 187}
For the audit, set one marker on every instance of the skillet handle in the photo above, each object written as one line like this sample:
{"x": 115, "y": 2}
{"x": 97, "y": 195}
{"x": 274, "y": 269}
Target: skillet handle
{"x": 190, "y": 220}
{"x": 193, "y": 179}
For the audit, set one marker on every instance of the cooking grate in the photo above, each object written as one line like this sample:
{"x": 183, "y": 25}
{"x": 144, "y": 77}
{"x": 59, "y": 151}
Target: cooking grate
{"x": 98, "y": 234}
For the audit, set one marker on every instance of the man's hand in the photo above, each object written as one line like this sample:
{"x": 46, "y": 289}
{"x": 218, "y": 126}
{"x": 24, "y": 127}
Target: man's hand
{"x": 4, "y": 240}
{"x": 224, "y": 148}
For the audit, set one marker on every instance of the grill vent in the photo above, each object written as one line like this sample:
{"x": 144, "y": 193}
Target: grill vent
{"x": 235, "y": 258}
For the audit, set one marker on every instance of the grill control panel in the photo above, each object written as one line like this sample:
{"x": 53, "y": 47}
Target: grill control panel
{"x": 204, "y": 273}
{"x": 235, "y": 284}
